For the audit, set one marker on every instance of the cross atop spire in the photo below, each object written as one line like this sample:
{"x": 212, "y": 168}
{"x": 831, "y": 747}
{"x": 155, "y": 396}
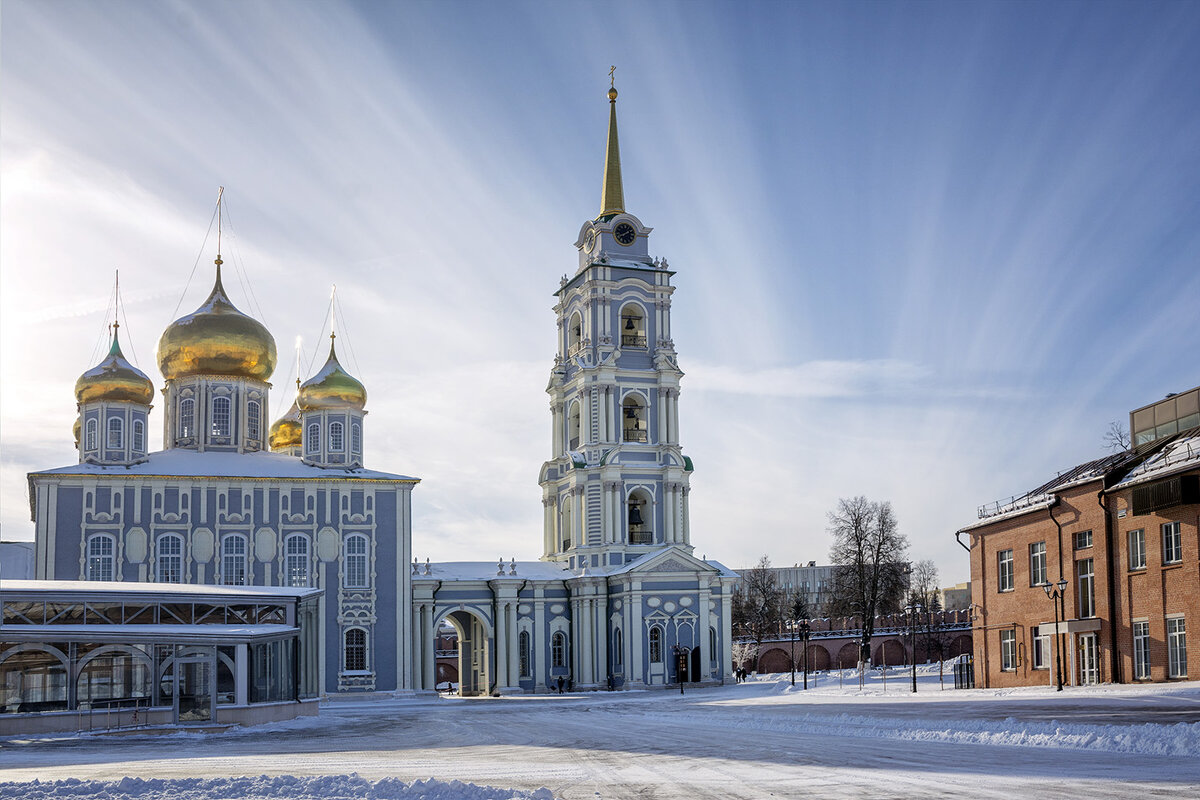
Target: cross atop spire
{"x": 612, "y": 200}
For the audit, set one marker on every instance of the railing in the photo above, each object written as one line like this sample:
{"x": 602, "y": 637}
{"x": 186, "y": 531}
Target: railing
{"x": 641, "y": 537}
{"x": 566, "y": 544}
{"x": 633, "y": 340}
{"x": 1011, "y": 504}
{"x": 115, "y": 714}
{"x": 574, "y": 443}
{"x": 635, "y": 435}
{"x": 575, "y": 348}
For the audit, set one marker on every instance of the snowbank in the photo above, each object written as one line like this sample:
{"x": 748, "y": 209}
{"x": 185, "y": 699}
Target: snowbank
{"x": 324, "y": 787}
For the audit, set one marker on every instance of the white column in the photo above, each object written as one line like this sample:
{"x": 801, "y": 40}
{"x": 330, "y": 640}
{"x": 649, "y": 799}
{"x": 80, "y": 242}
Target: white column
{"x": 577, "y": 515}
{"x": 585, "y": 416}
{"x": 556, "y": 427}
{"x": 663, "y": 433}
{"x": 429, "y": 667}
{"x": 241, "y": 662}
{"x": 725, "y": 657}
{"x": 601, "y": 636}
{"x": 514, "y": 663}
{"x": 705, "y": 624}
{"x": 685, "y": 534}
{"x": 675, "y": 416}
{"x": 500, "y": 648}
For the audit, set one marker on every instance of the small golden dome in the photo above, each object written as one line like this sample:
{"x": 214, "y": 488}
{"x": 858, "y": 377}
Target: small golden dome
{"x": 76, "y": 429}
{"x": 286, "y": 432}
{"x": 332, "y": 387}
{"x": 114, "y": 379}
{"x": 216, "y": 339}
{"x": 612, "y": 93}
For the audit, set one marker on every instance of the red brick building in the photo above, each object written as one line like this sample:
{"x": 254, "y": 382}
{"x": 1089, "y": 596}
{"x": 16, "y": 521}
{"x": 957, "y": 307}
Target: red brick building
{"x": 1121, "y": 536}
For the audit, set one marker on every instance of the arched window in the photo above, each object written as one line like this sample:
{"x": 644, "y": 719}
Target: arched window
{"x": 220, "y": 416}
{"x": 187, "y": 418}
{"x": 89, "y": 439}
{"x": 355, "y": 562}
{"x": 356, "y": 438}
{"x": 355, "y": 651}
{"x": 139, "y": 436}
{"x": 312, "y": 442}
{"x": 336, "y": 437}
{"x": 712, "y": 644}
{"x": 618, "y": 647}
{"x": 633, "y": 418}
{"x": 633, "y": 326}
{"x": 233, "y": 560}
{"x": 574, "y": 334}
{"x": 558, "y": 650}
{"x": 253, "y": 421}
{"x": 573, "y": 429}
{"x": 523, "y": 651}
{"x": 656, "y": 653}
{"x": 296, "y": 559}
{"x": 101, "y": 561}
{"x": 566, "y": 523}
{"x": 169, "y": 558}
{"x": 639, "y": 515}
{"x": 116, "y": 433}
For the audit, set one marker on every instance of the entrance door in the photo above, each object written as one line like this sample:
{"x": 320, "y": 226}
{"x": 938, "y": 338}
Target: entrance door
{"x": 1089, "y": 661}
{"x": 194, "y": 697}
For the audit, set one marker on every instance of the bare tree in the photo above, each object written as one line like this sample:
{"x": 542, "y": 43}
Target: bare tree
{"x": 1116, "y": 438}
{"x": 758, "y": 603}
{"x": 868, "y": 554}
{"x": 743, "y": 652}
{"x": 923, "y": 585}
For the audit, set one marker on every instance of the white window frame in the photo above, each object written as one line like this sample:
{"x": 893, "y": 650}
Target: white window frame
{"x": 1176, "y": 647}
{"x": 168, "y": 566}
{"x": 356, "y": 437}
{"x": 102, "y": 557}
{"x": 1086, "y": 583}
{"x": 221, "y": 409}
{"x": 1004, "y": 571}
{"x": 296, "y": 560}
{"x": 233, "y": 562}
{"x": 558, "y": 649}
{"x": 312, "y": 443}
{"x": 1037, "y": 564}
{"x": 1137, "y": 548}
{"x": 523, "y": 654}
{"x": 115, "y": 437}
{"x": 356, "y": 565}
{"x": 1008, "y": 651}
{"x": 655, "y": 638}
{"x": 337, "y": 437}
{"x": 90, "y": 435}
{"x": 1172, "y": 536}
{"x": 253, "y": 420}
{"x": 1040, "y": 647}
{"x": 1083, "y": 540}
{"x": 353, "y": 653}
{"x": 187, "y": 418}
{"x": 1141, "y": 650}
{"x": 139, "y": 436}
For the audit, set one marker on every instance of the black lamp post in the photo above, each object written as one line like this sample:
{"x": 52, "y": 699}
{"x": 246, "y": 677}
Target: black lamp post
{"x": 805, "y": 630}
{"x": 1056, "y": 594}
{"x": 791, "y": 624}
{"x": 912, "y": 611}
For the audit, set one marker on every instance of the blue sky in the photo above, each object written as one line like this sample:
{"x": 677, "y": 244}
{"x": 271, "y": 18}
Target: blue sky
{"x": 925, "y": 252}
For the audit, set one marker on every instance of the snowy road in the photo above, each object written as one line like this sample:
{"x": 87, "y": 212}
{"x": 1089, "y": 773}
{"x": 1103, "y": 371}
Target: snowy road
{"x": 751, "y": 741}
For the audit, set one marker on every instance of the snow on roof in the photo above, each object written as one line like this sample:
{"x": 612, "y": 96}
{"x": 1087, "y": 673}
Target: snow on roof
{"x": 489, "y": 570}
{"x": 1042, "y": 496}
{"x": 177, "y": 590}
{"x": 158, "y": 631}
{"x": 193, "y": 464}
{"x": 1176, "y": 456}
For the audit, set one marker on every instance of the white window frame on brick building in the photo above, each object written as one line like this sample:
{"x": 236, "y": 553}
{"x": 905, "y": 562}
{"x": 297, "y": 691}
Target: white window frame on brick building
{"x": 1085, "y": 575}
{"x": 1137, "y": 549}
{"x": 1172, "y": 538}
{"x": 1008, "y": 651}
{"x": 1176, "y": 647}
{"x": 1040, "y": 646}
{"x": 1141, "y": 650}
{"x": 1037, "y": 564}
{"x": 1004, "y": 570}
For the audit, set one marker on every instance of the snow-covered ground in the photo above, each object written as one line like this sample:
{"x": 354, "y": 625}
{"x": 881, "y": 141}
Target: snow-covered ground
{"x": 759, "y": 739}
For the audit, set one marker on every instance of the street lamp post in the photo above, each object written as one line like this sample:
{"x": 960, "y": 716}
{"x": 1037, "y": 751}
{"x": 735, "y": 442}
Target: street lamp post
{"x": 791, "y": 624}
{"x": 912, "y": 611}
{"x": 1056, "y": 594}
{"x": 804, "y": 633}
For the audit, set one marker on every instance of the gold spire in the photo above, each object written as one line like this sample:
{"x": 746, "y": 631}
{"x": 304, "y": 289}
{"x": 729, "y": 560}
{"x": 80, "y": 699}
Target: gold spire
{"x": 612, "y": 201}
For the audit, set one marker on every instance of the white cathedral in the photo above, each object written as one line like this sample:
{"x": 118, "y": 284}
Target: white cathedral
{"x": 617, "y": 600}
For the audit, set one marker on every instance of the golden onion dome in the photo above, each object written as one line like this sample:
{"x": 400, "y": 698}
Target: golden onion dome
{"x": 76, "y": 429}
{"x": 332, "y": 387}
{"x": 114, "y": 379}
{"x": 286, "y": 431}
{"x": 216, "y": 339}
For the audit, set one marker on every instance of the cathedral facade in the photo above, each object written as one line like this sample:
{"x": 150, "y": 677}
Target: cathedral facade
{"x": 617, "y": 599}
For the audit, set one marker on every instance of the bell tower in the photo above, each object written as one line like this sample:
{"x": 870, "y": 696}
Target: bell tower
{"x": 616, "y": 485}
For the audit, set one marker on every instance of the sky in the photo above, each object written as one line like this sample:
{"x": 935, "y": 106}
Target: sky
{"x": 925, "y": 253}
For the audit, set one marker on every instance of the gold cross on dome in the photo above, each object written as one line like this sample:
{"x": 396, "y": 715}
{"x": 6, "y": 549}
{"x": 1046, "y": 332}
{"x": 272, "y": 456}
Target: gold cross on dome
{"x": 612, "y": 81}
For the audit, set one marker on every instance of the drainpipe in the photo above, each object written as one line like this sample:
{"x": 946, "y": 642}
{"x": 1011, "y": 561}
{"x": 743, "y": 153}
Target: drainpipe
{"x": 1111, "y": 544}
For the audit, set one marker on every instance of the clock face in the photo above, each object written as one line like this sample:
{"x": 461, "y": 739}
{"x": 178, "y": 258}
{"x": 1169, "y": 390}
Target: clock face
{"x": 624, "y": 234}
{"x": 589, "y": 241}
